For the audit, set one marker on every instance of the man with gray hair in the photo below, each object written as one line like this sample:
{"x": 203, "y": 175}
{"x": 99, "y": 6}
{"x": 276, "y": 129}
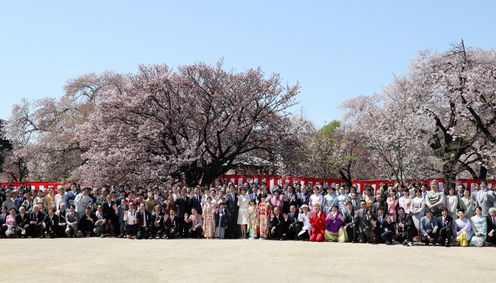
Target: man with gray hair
{"x": 483, "y": 198}
{"x": 491, "y": 226}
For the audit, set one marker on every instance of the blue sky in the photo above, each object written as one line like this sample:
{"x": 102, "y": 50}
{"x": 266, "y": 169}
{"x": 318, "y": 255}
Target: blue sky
{"x": 335, "y": 49}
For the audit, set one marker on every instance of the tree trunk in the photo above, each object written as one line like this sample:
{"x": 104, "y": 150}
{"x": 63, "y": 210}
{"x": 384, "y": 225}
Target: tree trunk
{"x": 483, "y": 173}
{"x": 449, "y": 174}
{"x": 346, "y": 175}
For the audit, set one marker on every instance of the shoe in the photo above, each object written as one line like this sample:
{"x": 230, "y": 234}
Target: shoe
{"x": 410, "y": 244}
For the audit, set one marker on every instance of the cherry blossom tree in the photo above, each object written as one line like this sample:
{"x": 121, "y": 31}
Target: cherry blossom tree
{"x": 464, "y": 82}
{"x": 389, "y": 135}
{"x": 43, "y": 132}
{"x": 440, "y": 111}
{"x": 192, "y": 123}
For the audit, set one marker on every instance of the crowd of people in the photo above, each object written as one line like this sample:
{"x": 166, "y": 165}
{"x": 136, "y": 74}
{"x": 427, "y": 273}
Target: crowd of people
{"x": 391, "y": 214}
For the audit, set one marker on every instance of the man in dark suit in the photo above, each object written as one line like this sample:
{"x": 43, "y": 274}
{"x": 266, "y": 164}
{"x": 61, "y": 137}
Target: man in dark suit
{"x": 36, "y": 222}
{"x": 491, "y": 226}
{"x": 111, "y": 214}
{"x": 379, "y": 202}
{"x": 445, "y": 225}
{"x": 62, "y": 214}
{"x": 87, "y": 223}
{"x": 292, "y": 223}
{"x": 196, "y": 200}
{"x": 363, "y": 225}
{"x": 379, "y": 224}
{"x": 349, "y": 220}
{"x": 232, "y": 213}
{"x": 22, "y": 221}
{"x": 157, "y": 222}
{"x": 172, "y": 225}
{"x": 51, "y": 223}
{"x": 387, "y": 230}
{"x": 144, "y": 221}
{"x": 405, "y": 228}
{"x": 277, "y": 225}
{"x": 183, "y": 206}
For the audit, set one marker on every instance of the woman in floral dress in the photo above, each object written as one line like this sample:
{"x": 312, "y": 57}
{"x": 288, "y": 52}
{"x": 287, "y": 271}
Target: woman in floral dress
{"x": 208, "y": 219}
{"x": 252, "y": 220}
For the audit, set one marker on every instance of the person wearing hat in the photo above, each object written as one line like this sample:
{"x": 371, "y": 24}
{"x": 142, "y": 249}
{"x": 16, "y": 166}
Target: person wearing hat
{"x": 428, "y": 228}
{"x": 304, "y": 219}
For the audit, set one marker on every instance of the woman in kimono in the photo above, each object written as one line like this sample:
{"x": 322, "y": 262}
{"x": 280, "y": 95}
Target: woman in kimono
{"x": 392, "y": 202}
{"x": 463, "y": 229}
{"x": 418, "y": 208}
{"x": 263, "y": 217}
{"x": 479, "y": 223}
{"x": 317, "y": 220}
{"x": 252, "y": 220}
{"x": 11, "y": 223}
{"x": 369, "y": 198}
{"x": 208, "y": 218}
{"x": 466, "y": 203}
{"x": 334, "y": 230}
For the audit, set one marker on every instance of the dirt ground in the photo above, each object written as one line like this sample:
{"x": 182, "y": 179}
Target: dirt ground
{"x": 121, "y": 260}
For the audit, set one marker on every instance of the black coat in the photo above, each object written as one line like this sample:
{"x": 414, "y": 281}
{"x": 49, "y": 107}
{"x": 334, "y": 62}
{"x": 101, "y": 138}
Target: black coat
{"x": 157, "y": 218}
{"x": 38, "y": 218}
{"x": 196, "y": 203}
{"x": 52, "y": 223}
{"x": 220, "y": 222}
{"x": 141, "y": 219}
{"x": 447, "y": 224}
{"x": 22, "y": 221}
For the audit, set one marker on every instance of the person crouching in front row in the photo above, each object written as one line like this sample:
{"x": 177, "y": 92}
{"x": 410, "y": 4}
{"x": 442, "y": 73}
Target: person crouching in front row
{"x": 318, "y": 224}
{"x": 195, "y": 224}
{"x": 87, "y": 223}
{"x": 51, "y": 223}
{"x": 131, "y": 221}
{"x": 71, "y": 228}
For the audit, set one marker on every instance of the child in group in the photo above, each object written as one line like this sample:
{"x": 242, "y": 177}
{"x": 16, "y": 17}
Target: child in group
{"x": 220, "y": 221}
{"x": 252, "y": 220}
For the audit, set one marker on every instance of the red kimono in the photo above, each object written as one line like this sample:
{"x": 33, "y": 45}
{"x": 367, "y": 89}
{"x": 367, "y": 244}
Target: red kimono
{"x": 318, "y": 227}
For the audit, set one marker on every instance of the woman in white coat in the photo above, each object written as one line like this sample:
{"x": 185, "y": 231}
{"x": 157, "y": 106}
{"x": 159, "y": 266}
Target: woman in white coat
{"x": 243, "y": 204}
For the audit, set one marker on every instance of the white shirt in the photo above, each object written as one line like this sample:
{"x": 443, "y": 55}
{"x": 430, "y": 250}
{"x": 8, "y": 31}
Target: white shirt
{"x": 305, "y": 218}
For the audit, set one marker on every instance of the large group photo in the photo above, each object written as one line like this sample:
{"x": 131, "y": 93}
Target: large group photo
{"x": 271, "y": 141}
{"x": 393, "y": 214}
